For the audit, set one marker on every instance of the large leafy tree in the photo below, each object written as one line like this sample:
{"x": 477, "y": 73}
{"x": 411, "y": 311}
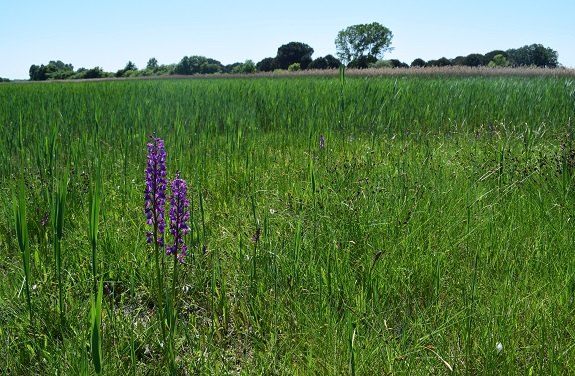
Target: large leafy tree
{"x": 198, "y": 65}
{"x": 364, "y": 42}
{"x": 294, "y": 52}
{"x": 55, "y": 70}
{"x": 267, "y": 64}
{"x": 535, "y": 54}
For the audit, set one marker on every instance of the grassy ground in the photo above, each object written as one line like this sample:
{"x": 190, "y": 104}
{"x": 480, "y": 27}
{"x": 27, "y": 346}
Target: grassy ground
{"x": 432, "y": 233}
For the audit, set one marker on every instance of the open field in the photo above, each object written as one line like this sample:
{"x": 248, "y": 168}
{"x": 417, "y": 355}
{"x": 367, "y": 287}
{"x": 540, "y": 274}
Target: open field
{"x": 464, "y": 183}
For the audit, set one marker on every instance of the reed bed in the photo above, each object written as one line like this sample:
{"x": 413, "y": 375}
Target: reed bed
{"x": 339, "y": 224}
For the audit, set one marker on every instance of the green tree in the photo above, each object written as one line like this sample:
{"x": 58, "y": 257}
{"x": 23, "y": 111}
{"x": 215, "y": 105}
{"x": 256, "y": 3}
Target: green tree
{"x": 152, "y": 64}
{"x": 198, "y": 65}
{"x": 127, "y": 71}
{"x": 294, "y": 67}
{"x": 247, "y": 67}
{"x": 535, "y": 54}
{"x": 332, "y": 61}
{"x": 55, "y": 70}
{"x": 325, "y": 62}
{"x": 442, "y": 62}
{"x": 364, "y": 42}
{"x": 318, "y": 63}
{"x": 95, "y": 72}
{"x": 395, "y": 63}
{"x": 267, "y": 64}
{"x": 474, "y": 60}
{"x": 418, "y": 63}
{"x": 362, "y": 62}
{"x": 489, "y": 56}
{"x": 293, "y": 52}
{"x": 498, "y": 61}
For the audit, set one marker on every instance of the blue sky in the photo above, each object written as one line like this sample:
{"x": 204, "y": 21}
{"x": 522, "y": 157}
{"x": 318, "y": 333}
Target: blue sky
{"x": 111, "y": 33}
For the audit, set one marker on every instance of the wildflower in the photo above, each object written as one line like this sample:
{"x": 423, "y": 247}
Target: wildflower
{"x": 256, "y": 236}
{"x": 178, "y": 216}
{"x": 498, "y": 347}
{"x": 155, "y": 187}
{"x": 350, "y": 139}
{"x": 45, "y": 219}
{"x": 321, "y": 142}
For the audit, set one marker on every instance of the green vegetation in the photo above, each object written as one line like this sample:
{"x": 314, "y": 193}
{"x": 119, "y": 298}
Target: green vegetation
{"x": 363, "y": 42}
{"x": 358, "y": 46}
{"x": 431, "y": 230}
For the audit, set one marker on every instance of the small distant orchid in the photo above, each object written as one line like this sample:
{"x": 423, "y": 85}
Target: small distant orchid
{"x": 256, "y": 236}
{"x": 321, "y": 142}
{"x": 178, "y": 216}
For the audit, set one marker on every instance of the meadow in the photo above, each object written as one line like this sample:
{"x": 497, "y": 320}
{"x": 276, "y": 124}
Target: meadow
{"x": 361, "y": 225}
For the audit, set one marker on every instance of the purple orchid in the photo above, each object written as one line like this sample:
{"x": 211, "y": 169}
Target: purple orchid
{"x": 178, "y": 216}
{"x": 154, "y": 193}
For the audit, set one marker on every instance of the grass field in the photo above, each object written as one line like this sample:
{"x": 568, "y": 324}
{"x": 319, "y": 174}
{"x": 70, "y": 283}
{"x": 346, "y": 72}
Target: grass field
{"x": 432, "y": 233}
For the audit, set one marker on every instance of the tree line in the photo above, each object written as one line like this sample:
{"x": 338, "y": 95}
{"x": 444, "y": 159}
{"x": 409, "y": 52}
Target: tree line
{"x": 358, "y": 46}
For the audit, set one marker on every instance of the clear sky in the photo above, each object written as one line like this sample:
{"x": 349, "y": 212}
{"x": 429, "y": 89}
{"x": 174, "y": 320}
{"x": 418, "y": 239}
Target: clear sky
{"x": 108, "y": 33}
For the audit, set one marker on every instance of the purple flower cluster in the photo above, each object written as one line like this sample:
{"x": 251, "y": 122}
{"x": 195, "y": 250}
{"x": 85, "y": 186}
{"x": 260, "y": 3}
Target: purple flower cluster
{"x": 155, "y": 187}
{"x": 321, "y": 142}
{"x": 256, "y": 237}
{"x": 178, "y": 217}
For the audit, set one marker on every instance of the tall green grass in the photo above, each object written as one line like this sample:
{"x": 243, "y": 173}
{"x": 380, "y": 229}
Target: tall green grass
{"x": 435, "y": 224}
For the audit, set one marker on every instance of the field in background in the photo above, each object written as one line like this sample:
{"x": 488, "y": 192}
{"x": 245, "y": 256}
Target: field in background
{"x": 464, "y": 183}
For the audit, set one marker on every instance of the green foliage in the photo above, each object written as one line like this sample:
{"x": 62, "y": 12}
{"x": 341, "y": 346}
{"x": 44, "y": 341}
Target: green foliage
{"x": 21, "y": 226}
{"x": 247, "y": 67}
{"x": 128, "y": 70}
{"x": 398, "y": 64}
{"x": 535, "y": 54}
{"x": 364, "y": 42}
{"x": 267, "y": 64}
{"x": 86, "y": 74}
{"x": 95, "y": 332}
{"x": 55, "y": 70}
{"x": 293, "y": 52}
{"x": 362, "y": 62}
{"x": 197, "y": 65}
{"x": 443, "y": 62}
{"x": 474, "y": 60}
{"x": 152, "y": 64}
{"x": 433, "y": 239}
{"x": 498, "y": 61}
{"x": 294, "y": 67}
{"x": 490, "y": 55}
{"x": 325, "y": 62}
{"x": 418, "y": 63}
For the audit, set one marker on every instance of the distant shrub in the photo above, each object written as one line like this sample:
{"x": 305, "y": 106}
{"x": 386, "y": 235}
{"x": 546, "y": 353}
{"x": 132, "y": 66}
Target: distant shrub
{"x": 294, "y": 67}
